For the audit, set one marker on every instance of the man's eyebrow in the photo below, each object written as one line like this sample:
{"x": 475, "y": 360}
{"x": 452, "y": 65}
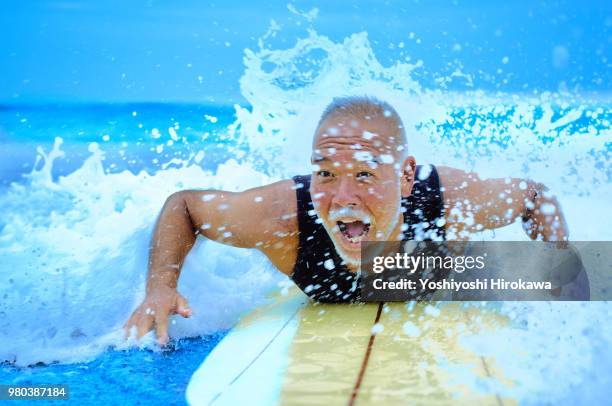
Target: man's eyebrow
{"x": 371, "y": 159}
{"x": 318, "y": 158}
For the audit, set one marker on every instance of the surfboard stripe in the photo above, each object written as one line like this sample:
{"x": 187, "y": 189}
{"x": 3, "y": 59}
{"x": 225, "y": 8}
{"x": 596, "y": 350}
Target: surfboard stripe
{"x": 418, "y": 358}
{"x": 295, "y": 352}
{"x": 494, "y": 374}
{"x": 490, "y": 375}
{"x": 327, "y": 353}
{"x": 366, "y": 358}
{"x": 266, "y": 346}
{"x": 248, "y": 365}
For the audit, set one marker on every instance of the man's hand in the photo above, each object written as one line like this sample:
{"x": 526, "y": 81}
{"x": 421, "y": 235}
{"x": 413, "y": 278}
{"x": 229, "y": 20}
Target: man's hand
{"x": 543, "y": 218}
{"x": 263, "y": 218}
{"x": 155, "y": 310}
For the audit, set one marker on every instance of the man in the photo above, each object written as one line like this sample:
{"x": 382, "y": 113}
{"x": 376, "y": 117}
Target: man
{"x": 364, "y": 186}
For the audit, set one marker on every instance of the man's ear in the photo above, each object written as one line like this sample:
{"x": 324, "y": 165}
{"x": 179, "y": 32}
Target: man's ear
{"x": 408, "y": 174}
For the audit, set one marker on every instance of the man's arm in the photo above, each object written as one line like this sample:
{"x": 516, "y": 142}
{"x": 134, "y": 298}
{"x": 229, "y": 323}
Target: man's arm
{"x": 260, "y": 218}
{"x": 473, "y": 204}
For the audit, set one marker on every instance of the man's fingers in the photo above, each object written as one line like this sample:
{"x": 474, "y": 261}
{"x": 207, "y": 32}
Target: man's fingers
{"x": 182, "y": 307}
{"x": 161, "y": 328}
{"x": 133, "y": 321}
{"x": 145, "y": 318}
{"x": 530, "y": 228}
{"x": 127, "y": 327}
{"x": 145, "y": 325}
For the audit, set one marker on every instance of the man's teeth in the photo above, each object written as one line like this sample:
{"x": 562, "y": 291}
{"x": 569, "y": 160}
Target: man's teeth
{"x": 348, "y": 230}
{"x": 355, "y": 240}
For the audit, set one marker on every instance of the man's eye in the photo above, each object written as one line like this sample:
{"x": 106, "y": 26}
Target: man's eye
{"x": 364, "y": 175}
{"x": 324, "y": 174}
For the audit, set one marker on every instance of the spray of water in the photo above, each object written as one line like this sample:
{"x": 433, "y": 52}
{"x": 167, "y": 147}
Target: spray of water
{"x": 74, "y": 250}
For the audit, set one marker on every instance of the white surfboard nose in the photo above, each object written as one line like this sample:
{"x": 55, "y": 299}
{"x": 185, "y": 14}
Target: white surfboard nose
{"x": 248, "y": 365}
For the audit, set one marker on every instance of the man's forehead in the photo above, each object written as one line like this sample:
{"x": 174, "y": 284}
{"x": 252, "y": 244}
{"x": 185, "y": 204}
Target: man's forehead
{"x": 330, "y": 155}
{"x": 345, "y": 125}
{"x": 375, "y": 132}
{"x": 319, "y": 155}
{"x": 345, "y": 137}
{"x": 368, "y": 143}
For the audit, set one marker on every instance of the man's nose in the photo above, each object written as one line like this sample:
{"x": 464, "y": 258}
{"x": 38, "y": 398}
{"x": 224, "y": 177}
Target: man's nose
{"x": 346, "y": 195}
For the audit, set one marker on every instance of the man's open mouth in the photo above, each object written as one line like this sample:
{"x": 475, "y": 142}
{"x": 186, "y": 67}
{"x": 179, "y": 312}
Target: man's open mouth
{"x": 353, "y": 231}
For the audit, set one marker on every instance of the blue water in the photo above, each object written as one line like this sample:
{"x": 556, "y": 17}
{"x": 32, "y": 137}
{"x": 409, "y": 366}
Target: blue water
{"x": 77, "y": 212}
{"x": 129, "y": 377}
{"x": 116, "y": 376}
{"x": 124, "y": 134}
{"x": 130, "y": 145}
{"x": 136, "y": 376}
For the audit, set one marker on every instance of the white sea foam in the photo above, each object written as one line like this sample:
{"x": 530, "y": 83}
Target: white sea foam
{"x": 74, "y": 251}
{"x": 74, "y": 255}
{"x": 556, "y": 352}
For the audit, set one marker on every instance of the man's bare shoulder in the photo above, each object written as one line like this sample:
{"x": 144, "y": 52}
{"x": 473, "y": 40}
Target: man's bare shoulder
{"x": 275, "y": 202}
{"x": 454, "y": 177}
{"x": 250, "y": 218}
{"x": 458, "y": 185}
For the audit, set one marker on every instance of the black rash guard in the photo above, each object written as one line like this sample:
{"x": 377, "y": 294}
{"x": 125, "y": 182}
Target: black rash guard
{"x": 319, "y": 270}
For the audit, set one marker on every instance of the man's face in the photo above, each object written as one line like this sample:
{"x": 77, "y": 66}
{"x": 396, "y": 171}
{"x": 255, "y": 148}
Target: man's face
{"x": 357, "y": 181}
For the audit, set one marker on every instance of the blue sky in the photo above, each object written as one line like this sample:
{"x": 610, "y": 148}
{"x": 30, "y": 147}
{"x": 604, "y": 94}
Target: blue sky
{"x": 191, "y": 51}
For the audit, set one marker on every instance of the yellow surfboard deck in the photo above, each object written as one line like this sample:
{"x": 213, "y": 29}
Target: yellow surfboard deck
{"x": 295, "y": 352}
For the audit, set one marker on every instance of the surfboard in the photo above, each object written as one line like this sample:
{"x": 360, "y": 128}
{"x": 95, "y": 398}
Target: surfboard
{"x": 295, "y": 352}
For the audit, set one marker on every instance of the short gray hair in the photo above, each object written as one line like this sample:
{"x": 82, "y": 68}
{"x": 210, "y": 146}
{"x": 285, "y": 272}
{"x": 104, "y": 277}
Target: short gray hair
{"x": 366, "y": 107}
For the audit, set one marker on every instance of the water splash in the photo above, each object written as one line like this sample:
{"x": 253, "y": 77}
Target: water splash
{"x": 75, "y": 254}
{"x": 74, "y": 250}
{"x": 557, "y": 352}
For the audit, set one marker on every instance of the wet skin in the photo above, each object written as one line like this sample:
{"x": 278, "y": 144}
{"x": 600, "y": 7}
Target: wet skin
{"x": 357, "y": 166}
{"x": 365, "y": 173}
